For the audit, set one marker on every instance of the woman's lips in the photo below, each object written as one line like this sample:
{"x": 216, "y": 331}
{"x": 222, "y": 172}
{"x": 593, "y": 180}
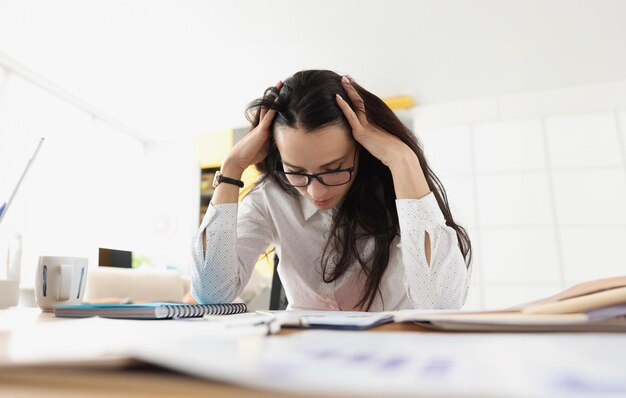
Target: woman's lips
{"x": 321, "y": 203}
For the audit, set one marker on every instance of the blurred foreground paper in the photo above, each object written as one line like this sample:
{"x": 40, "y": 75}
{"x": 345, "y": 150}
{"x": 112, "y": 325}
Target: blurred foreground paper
{"x": 409, "y": 364}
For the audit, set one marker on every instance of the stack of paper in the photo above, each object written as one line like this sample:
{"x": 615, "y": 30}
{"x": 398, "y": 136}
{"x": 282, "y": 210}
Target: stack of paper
{"x": 598, "y": 305}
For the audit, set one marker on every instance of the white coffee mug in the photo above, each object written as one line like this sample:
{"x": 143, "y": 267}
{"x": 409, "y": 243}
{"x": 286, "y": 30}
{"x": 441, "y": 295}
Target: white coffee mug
{"x": 60, "y": 280}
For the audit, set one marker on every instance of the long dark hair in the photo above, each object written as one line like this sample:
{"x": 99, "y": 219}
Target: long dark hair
{"x": 307, "y": 101}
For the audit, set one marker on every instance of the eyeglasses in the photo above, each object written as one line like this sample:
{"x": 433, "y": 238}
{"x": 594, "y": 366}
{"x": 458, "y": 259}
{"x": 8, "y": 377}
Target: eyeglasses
{"x": 331, "y": 178}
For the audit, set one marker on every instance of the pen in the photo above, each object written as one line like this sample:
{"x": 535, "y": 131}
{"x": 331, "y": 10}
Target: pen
{"x": 270, "y": 314}
{"x": 272, "y": 323}
{"x": 286, "y": 319}
{"x": 249, "y": 319}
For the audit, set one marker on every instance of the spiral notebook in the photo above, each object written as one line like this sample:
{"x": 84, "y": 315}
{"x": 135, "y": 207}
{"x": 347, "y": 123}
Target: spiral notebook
{"x": 148, "y": 310}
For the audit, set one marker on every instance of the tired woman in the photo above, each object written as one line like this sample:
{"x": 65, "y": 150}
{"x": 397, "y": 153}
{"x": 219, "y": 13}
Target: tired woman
{"x": 357, "y": 217}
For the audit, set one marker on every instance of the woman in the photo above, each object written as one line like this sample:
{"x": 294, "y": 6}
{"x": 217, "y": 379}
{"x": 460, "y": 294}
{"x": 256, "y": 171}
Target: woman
{"x": 358, "y": 219}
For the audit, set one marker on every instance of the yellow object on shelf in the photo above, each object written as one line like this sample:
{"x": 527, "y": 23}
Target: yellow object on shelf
{"x": 209, "y": 152}
{"x": 249, "y": 178}
{"x": 399, "y": 102}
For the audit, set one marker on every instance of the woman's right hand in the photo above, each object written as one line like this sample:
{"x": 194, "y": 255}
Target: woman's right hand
{"x": 253, "y": 148}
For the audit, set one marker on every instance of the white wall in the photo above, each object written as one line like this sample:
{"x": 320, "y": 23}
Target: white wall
{"x": 91, "y": 186}
{"x": 84, "y": 190}
{"x": 172, "y": 205}
{"x": 539, "y": 180}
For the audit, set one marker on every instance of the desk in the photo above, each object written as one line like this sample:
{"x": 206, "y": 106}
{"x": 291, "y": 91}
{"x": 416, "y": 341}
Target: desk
{"x": 134, "y": 380}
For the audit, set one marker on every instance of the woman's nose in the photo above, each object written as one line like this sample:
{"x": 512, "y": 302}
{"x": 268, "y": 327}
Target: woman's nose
{"x": 316, "y": 189}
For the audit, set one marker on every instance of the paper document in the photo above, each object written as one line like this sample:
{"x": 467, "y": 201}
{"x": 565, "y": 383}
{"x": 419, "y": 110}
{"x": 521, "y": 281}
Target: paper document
{"x": 510, "y": 322}
{"x": 108, "y": 342}
{"x": 408, "y": 364}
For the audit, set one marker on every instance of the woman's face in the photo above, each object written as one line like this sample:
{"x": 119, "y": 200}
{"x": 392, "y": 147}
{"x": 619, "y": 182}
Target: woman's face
{"x": 326, "y": 149}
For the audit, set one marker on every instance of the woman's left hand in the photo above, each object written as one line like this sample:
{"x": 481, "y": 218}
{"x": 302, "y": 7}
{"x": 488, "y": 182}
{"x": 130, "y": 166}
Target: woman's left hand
{"x": 384, "y": 146}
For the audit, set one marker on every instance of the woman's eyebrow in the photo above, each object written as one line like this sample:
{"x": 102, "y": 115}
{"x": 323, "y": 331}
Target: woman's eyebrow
{"x": 322, "y": 166}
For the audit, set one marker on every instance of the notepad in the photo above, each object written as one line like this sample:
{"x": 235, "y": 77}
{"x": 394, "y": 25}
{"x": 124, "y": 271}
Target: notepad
{"x": 148, "y": 310}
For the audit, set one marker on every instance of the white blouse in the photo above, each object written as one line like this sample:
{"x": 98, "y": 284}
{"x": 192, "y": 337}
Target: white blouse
{"x": 237, "y": 234}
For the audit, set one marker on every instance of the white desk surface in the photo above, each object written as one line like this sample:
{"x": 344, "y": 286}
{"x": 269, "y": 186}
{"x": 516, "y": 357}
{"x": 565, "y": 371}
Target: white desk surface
{"x": 591, "y": 364}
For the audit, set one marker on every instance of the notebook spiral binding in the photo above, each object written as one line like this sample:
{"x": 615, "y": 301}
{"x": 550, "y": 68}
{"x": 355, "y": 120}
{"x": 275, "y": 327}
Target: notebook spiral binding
{"x": 197, "y": 310}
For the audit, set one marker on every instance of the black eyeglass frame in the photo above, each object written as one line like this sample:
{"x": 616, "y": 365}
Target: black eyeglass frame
{"x": 309, "y": 177}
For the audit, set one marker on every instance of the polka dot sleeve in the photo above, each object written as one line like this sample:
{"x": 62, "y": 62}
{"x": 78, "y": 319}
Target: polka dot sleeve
{"x": 443, "y": 283}
{"x": 222, "y": 270}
